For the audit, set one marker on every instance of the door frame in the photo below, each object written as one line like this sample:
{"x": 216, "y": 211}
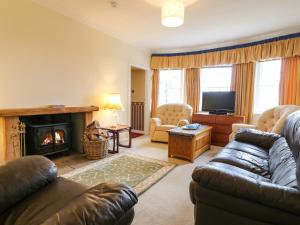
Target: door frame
{"x": 147, "y": 96}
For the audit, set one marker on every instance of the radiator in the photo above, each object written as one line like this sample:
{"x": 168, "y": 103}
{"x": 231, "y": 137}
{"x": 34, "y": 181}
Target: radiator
{"x": 137, "y": 116}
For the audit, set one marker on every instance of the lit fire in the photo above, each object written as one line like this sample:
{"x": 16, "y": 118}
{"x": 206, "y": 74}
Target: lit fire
{"x": 59, "y": 138}
{"x": 48, "y": 140}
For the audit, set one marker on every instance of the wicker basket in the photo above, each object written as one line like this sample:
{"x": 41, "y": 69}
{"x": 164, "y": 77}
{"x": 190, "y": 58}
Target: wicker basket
{"x": 95, "y": 149}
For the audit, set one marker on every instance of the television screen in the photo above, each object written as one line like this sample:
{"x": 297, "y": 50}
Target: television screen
{"x": 222, "y": 102}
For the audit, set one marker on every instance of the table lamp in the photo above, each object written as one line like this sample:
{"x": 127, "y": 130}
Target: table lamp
{"x": 114, "y": 104}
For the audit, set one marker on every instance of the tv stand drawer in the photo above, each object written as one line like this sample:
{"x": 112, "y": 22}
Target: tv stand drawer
{"x": 222, "y": 125}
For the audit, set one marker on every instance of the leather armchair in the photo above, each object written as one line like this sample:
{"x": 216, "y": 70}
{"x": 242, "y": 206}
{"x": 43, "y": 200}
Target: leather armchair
{"x": 271, "y": 120}
{"x": 32, "y": 194}
{"x": 168, "y": 117}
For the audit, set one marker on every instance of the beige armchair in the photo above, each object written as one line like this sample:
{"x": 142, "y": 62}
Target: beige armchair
{"x": 169, "y": 116}
{"x": 271, "y": 120}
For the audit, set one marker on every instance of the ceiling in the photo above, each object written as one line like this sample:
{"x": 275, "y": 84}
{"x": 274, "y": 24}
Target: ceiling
{"x": 208, "y": 23}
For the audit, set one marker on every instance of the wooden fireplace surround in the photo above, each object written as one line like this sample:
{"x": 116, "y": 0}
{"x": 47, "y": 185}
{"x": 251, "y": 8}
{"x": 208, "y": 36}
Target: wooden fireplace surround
{"x": 9, "y": 122}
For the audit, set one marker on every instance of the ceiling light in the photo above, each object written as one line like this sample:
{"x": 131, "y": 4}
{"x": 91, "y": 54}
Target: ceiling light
{"x": 172, "y": 13}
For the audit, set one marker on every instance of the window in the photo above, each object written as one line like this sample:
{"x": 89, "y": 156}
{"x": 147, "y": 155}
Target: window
{"x": 215, "y": 79}
{"x": 266, "y": 91}
{"x": 170, "y": 86}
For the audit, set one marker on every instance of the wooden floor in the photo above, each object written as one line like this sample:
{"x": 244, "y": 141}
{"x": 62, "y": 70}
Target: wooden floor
{"x": 67, "y": 163}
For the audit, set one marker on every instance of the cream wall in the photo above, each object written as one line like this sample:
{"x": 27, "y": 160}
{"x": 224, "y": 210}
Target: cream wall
{"x": 138, "y": 85}
{"x": 47, "y": 58}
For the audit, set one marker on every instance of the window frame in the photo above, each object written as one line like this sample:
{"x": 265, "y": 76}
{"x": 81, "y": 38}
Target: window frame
{"x": 201, "y": 85}
{"x": 181, "y": 88}
{"x": 258, "y": 87}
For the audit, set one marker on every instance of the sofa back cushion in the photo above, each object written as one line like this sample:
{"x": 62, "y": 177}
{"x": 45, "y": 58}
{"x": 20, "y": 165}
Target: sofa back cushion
{"x": 22, "y": 177}
{"x": 282, "y": 164}
{"x": 170, "y": 114}
{"x": 291, "y": 132}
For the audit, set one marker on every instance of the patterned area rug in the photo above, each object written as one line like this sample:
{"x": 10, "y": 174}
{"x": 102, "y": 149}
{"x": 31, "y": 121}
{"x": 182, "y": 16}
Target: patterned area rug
{"x": 136, "y": 171}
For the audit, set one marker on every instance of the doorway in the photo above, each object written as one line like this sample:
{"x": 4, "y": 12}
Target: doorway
{"x": 138, "y": 81}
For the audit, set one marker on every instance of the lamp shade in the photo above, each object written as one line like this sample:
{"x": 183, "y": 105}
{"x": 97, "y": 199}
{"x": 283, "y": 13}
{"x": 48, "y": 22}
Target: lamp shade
{"x": 172, "y": 13}
{"x": 113, "y": 102}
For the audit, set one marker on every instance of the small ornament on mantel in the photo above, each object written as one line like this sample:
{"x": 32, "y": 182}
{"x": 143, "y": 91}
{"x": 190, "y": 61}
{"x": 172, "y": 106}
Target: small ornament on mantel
{"x": 56, "y": 106}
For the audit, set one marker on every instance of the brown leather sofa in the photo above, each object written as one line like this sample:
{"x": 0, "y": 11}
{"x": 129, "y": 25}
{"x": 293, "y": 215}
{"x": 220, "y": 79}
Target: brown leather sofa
{"x": 254, "y": 180}
{"x": 32, "y": 194}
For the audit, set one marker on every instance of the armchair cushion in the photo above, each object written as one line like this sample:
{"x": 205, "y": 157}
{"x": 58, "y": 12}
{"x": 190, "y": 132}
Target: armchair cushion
{"x": 272, "y": 120}
{"x": 256, "y": 137}
{"x": 172, "y": 113}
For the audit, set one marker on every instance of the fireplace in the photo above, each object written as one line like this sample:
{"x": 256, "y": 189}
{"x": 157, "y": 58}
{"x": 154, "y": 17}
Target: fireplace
{"x": 47, "y": 134}
{"x": 48, "y": 139}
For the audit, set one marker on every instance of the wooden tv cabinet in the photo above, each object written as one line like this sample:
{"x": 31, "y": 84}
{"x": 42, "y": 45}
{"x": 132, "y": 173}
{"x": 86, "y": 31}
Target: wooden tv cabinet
{"x": 222, "y": 125}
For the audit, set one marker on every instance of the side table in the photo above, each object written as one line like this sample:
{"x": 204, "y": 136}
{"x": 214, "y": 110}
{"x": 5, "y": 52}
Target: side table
{"x": 115, "y": 132}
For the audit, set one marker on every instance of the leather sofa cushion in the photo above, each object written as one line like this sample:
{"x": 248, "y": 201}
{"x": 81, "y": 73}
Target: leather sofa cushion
{"x": 291, "y": 132}
{"x": 248, "y": 148}
{"x": 256, "y": 137}
{"x": 67, "y": 202}
{"x": 244, "y": 160}
{"x": 164, "y": 127}
{"x": 103, "y": 204}
{"x": 282, "y": 164}
{"x": 22, "y": 177}
{"x": 236, "y": 184}
{"x": 44, "y": 203}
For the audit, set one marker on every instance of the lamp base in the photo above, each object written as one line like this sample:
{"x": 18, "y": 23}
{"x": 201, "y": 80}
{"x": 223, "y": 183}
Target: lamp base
{"x": 116, "y": 120}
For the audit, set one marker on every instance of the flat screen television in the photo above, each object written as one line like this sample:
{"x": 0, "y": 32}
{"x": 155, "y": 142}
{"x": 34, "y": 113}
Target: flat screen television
{"x": 222, "y": 102}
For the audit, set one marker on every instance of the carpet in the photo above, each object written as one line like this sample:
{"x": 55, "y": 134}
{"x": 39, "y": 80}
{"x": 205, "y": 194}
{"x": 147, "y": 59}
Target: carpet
{"x": 133, "y": 170}
{"x": 135, "y": 135}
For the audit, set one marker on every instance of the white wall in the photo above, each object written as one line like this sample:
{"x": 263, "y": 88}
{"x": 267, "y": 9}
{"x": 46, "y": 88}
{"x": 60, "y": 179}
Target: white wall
{"x": 47, "y": 58}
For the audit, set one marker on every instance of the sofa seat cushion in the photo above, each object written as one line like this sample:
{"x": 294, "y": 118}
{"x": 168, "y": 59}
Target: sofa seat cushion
{"x": 39, "y": 206}
{"x": 282, "y": 164}
{"x": 164, "y": 127}
{"x": 249, "y": 148}
{"x": 244, "y": 160}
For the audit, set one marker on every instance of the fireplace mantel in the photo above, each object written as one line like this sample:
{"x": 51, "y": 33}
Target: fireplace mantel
{"x": 46, "y": 110}
{"x": 10, "y": 144}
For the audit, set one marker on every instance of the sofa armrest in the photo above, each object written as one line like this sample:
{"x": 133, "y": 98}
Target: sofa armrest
{"x": 240, "y": 186}
{"x": 155, "y": 121}
{"x": 257, "y": 137}
{"x": 182, "y": 122}
{"x": 103, "y": 204}
{"x": 22, "y": 177}
{"x": 237, "y": 126}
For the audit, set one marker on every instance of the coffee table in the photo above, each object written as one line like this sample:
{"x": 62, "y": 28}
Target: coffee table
{"x": 189, "y": 144}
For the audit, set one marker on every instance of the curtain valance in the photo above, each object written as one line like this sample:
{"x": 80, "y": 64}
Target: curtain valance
{"x": 285, "y": 46}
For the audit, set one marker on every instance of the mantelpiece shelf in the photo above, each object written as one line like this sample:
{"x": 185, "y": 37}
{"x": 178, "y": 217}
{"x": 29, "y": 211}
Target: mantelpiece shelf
{"x": 46, "y": 111}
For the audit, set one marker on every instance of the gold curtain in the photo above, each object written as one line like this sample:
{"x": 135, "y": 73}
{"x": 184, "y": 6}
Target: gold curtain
{"x": 155, "y": 92}
{"x": 192, "y": 87}
{"x": 242, "y": 82}
{"x": 280, "y": 48}
{"x": 289, "y": 89}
